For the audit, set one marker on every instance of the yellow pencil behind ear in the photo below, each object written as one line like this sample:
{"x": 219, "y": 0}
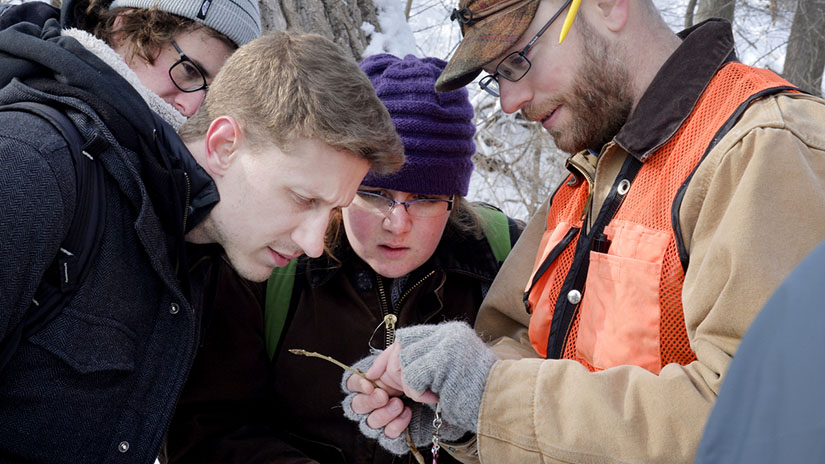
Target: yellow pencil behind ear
{"x": 568, "y": 20}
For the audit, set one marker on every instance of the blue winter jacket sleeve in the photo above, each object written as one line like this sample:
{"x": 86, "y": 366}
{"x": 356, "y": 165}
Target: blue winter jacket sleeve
{"x": 770, "y": 407}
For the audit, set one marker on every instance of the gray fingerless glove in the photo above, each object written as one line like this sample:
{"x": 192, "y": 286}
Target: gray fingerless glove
{"x": 453, "y": 362}
{"x": 396, "y": 446}
{"x": 421, "y": 424}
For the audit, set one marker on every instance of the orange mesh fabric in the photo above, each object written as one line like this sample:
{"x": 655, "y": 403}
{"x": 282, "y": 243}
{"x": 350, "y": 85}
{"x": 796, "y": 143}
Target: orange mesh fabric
{"x": 566, "y": 207}
{"x": 649, "y": 202}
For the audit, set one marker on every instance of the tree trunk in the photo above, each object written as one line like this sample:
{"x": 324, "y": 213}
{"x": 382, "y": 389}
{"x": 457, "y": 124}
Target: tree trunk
{"x": 715, "y": 9}
{"x": 805, "y": 57}
{"x": 337, "y": 20}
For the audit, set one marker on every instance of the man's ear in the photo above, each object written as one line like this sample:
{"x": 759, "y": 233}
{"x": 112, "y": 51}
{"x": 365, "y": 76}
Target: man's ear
{"x": 223, "y": 138}
{"x": 117, "y": 24}
{"x": 613, "y": 13}
{"x": 116, "y": 35}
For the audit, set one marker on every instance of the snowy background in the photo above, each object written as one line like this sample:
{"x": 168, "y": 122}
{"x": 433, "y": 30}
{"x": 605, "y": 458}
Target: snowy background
{"x": 760, "y": 41}
{"x": 532, "y": 165}
{"x": 429, "y": 32}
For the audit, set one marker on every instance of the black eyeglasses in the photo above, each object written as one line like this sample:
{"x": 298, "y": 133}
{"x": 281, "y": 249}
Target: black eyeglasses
{"x": 421, "y": 207}
{"x": 185, "y": 74}
{"x": 515, "y": 65}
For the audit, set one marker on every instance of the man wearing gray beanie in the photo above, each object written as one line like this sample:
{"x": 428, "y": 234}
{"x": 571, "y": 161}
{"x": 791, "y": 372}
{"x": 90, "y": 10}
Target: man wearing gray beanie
{"x": 174, "y": 47}
{"x": 168, "y": 51}
{"x": 127, "y": 77}
{"x": 239, "y": 20}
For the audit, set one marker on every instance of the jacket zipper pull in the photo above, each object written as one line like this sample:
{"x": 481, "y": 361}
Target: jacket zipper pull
{"x": 389, "y": 323}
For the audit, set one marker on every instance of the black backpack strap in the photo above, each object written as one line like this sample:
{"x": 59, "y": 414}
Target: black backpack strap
{"x": 79, "y": 248}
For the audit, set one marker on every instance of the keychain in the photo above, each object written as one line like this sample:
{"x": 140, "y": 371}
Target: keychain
{"x": 437, "y": 425}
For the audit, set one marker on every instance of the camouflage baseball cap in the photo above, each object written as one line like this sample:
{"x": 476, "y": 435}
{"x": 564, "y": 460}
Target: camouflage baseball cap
{"x": 489, "y": 27}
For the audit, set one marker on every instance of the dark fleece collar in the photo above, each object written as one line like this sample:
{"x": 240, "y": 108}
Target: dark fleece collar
{"x": 676, "y": 88}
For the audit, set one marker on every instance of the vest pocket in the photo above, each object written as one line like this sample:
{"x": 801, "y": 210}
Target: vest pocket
{"x": 88, "y": 343}
{"x": 620, "y": 314}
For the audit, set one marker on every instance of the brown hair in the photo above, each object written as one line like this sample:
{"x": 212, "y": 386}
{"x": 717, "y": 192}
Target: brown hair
{"x": 464, "y": 220}
{"x": 288, "y": 86}
{"x": 146, "y": 30}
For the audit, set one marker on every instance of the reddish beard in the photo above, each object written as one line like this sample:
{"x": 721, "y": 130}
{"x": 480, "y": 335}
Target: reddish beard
{"x": 599, "y": 102}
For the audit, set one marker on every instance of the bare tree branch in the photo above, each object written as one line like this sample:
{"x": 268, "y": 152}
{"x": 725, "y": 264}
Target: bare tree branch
{"x": 691, "y": 7}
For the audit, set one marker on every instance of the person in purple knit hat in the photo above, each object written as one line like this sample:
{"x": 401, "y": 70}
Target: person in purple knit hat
{"x": 408, "y": 250}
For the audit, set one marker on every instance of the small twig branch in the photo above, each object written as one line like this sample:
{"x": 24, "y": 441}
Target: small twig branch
{"x": 338, "y": 363}
{"x": 312, "y": 354}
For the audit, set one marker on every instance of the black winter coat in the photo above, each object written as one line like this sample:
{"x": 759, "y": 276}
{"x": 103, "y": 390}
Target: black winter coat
{"x": 338, "y": 312}
{"x": 233, "y": 412}
{"x": 100, "y": 382}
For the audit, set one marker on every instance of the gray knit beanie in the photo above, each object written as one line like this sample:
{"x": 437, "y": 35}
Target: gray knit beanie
{"x": 240, "y": 20}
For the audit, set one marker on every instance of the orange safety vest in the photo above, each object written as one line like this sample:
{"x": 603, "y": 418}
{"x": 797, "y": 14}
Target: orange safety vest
{"x": 632, "y": 310}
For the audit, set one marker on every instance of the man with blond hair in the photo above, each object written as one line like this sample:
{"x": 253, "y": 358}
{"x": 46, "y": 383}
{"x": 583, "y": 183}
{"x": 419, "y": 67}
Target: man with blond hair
{"x": 697, "y": 183}
{"x": 288, "y": 129}
{"x": 286, "y": 133}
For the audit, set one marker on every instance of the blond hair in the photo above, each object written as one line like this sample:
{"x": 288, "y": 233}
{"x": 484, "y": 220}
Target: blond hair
{"x": 288, "y": 86}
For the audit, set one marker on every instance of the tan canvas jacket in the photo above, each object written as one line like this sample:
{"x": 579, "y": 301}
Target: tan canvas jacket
{"x": 754, "y": 208}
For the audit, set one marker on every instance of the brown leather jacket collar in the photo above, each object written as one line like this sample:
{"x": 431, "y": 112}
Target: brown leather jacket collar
{"x": 705, "y": 48}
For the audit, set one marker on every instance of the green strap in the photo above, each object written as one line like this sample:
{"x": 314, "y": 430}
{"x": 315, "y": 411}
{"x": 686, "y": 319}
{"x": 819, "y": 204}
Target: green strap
{"x": 497, "y": 230}
{"x": 278, "y": 295}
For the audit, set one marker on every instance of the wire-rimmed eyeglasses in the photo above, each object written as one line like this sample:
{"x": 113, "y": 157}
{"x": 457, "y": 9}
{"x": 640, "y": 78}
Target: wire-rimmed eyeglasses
{"x": 420, "y": 207}
{"x": 186, "y": 74}
{"x": 515, "y": 65}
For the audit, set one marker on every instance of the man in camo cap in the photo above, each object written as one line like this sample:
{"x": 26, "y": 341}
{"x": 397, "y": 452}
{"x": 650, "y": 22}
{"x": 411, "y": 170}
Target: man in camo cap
{"x": 633, "y": 285}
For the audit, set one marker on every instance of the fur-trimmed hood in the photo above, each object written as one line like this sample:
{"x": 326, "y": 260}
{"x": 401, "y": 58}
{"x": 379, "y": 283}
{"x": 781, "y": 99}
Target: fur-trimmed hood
{"x": 48, "y": 58}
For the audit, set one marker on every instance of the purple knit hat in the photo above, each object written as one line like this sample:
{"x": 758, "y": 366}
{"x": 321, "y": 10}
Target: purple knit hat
{"x": 436, "y": 128}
